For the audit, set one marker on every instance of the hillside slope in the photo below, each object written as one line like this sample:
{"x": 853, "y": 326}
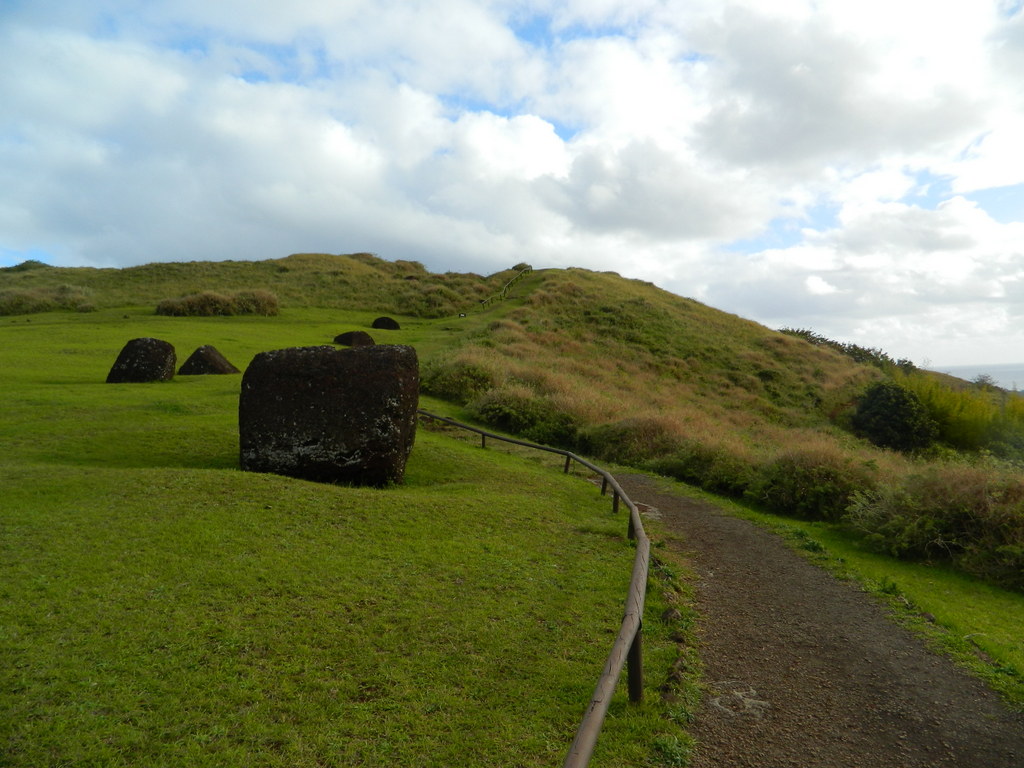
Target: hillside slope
{"x": 346, "y": 281}
{"x": 627, "y": 372}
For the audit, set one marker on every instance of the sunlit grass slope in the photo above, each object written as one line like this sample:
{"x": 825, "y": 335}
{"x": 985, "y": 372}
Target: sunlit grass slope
{"x": 357, "y": 281}
{"x": 160, "y": 607}
{"x": 630, "y": 373}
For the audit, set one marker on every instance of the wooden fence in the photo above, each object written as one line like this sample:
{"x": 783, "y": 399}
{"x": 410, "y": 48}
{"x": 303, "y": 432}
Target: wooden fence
{"x": 500, "y": 295}
{"x": 627, "y": 650}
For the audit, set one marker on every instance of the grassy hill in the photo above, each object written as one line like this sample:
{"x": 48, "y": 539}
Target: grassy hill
{"x": 357, "y": 281}
{"x": 160, "y": 607}
{"x": 138, "y": 562}
{"x": 630, "y": 373}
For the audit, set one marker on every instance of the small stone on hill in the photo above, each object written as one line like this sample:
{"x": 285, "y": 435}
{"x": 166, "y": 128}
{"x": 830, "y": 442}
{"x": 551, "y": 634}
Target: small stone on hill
{"x": 386, "y": 323}
{"x": 142, "y": 360}
{"x": 354, "y": 339}
{"x": 206, "y": 360}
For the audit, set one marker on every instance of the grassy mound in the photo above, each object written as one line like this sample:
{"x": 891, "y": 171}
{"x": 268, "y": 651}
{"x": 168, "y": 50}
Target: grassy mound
{"x": 160, "y": 607}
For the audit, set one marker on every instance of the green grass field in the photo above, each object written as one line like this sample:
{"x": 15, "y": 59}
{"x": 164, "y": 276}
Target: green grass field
{"x": 160, "y": 607}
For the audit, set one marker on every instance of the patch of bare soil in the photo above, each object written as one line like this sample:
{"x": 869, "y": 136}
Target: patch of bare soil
{"x": 806, "y": 671}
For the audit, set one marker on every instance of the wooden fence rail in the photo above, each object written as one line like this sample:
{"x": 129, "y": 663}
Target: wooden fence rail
{"x": 627, "y": 650}
{"x": 505, "y": 288}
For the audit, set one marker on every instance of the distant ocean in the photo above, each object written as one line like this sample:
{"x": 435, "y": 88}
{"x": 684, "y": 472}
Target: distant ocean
{"x": 1006, "y": 375}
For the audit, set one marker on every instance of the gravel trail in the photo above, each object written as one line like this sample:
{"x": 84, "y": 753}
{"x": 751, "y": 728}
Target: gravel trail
{"x": 806, "y": 671}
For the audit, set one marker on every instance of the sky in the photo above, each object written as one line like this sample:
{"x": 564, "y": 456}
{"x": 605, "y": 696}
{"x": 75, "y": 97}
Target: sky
{"x": 853, "y": 168}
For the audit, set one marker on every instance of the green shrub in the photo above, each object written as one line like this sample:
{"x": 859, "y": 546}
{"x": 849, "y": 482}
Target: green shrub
{"x": 710, "y": 467}
{"x": 629, "y": 441}
{"x": 24, "y": 302}
{"x": 26, "y": 266}
{"x": 891, "y": 416}
{"x": 959, "y": 513}
{"x": 60, "y": 297}
{"x": 456, "y": 380}
{"x": 520, "y": 411}
{"x": 255, "y": 303}
{"x": 810, "y": 483}
{"x": 211, "y": 304}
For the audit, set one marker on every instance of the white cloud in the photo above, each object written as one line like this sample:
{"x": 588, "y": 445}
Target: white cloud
{"x": 804, "y": 162}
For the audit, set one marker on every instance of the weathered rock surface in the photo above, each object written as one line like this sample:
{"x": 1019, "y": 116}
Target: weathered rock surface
{"x": 330, "y": 415}
{"x": 142, "y": 360}
{"x": 206, "y": 360}
{"x": 386, "y": 323}
{"x": 354, "y": 339}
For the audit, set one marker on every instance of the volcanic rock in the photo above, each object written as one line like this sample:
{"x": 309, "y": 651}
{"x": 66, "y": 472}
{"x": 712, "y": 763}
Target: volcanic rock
{"x": 354, "y": 339}
{"x": 330, "y": 415}
{"x": 206, "y": 360}
{"x": 142, "y": 360}
{"x": 386, "y": 323}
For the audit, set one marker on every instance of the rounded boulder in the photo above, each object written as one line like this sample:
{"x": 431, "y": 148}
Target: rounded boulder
{"x": 143, "y": 360}
{"x": 354, "y": 339}
{"x": 386, "y": 323}
{"x": 206, "y": 360}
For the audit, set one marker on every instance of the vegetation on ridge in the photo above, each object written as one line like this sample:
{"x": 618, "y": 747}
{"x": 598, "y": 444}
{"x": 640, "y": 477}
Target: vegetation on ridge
{"x": 99, "y": 486}
{"x": 633, "y": 374}
{"x": 357, "y": 281}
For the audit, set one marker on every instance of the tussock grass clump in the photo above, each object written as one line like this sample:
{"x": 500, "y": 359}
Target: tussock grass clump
{"x": 707, "y": 464}
{"x": 633, "y": 440}
{"x": 968, "y": 515}
{"x": 46, "y": 299}
{"x": 815, "y": 483}
{"x": 211, "y": 304}
{"x": 457, "y": 378}
{"x": 518, "y": 409}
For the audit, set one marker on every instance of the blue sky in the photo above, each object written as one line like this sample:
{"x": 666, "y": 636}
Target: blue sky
{"x": 804, "y": 163}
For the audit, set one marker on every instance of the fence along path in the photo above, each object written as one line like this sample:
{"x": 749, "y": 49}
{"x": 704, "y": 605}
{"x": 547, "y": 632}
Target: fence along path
{"x": 503, "y": 293}
{"x": 627, "y": 650}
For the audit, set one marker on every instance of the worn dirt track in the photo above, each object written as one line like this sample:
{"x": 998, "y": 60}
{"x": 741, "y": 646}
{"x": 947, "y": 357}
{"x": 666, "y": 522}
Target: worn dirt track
{"x": 806, "y": 671}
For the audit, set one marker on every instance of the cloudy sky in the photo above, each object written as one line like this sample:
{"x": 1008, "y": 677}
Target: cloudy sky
{"x": 856, "y": 168}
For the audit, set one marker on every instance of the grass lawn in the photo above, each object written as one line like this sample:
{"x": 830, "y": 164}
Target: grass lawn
{"x": 160, "y": 607}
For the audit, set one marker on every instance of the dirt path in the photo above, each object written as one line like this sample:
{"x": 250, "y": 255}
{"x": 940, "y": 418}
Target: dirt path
{"x": 807, "y": 672}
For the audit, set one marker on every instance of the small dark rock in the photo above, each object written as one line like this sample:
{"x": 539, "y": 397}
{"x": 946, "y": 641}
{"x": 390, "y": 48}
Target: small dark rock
{"x": 354, "y": 339}
{"x": 206, "y": 360}
{"x": 330, "y": 415}
{"x": 671, "y": 615}
{"x": 386, "y": 323}
{"x": 143, "y": 360}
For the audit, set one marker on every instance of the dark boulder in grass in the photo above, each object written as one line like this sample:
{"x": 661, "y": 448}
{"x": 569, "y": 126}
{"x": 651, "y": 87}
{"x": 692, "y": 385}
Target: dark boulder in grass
{"x": 354, "y": 339}
{"x": 386, "y": 323}
{"x": 330, "y": 415}
{"x": 142, "y": 360}
{"x": 206, "y": 360}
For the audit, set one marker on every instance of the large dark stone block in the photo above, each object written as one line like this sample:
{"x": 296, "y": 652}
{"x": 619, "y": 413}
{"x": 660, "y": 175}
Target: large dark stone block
{"x": 206, "y": 360}
{"x": 330, "y": 415}
{"x": 142, "y": 360}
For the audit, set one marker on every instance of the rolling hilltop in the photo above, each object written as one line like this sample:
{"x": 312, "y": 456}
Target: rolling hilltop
{"x": 160, "y": 607}
{"x": 629, "y": 373}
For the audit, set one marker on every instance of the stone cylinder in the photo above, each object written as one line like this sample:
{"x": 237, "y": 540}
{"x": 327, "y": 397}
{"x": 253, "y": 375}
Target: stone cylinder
{"x": 330, "y": 415}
